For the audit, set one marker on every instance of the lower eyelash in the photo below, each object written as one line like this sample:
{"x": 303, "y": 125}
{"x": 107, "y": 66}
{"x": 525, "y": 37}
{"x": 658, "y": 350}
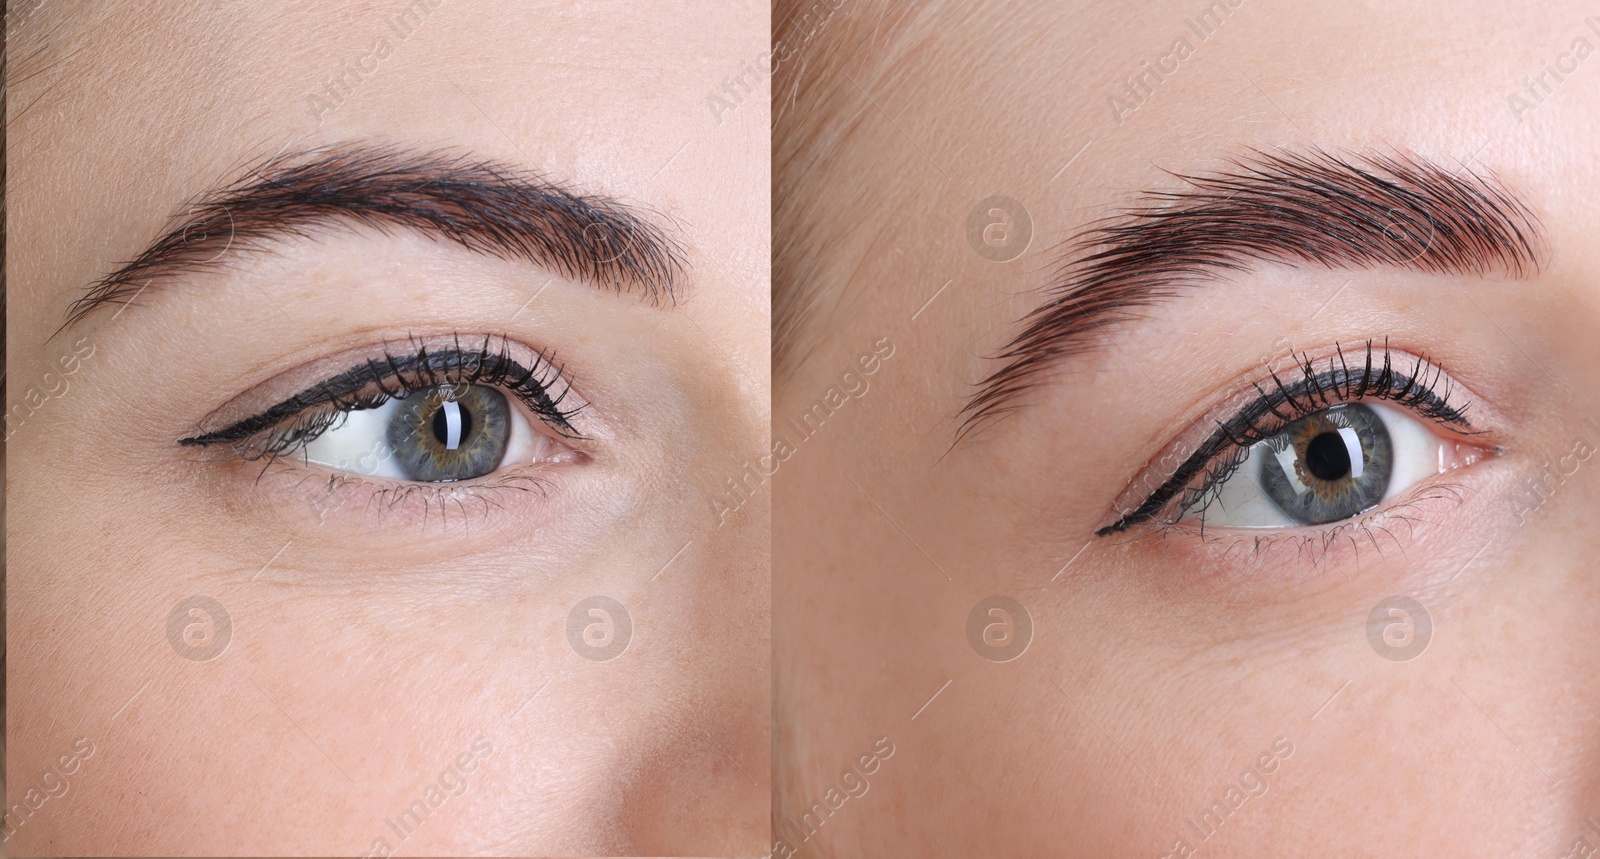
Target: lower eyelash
{"x": 433, "y": 499}
{"x": 1315, "y": 545}
{"x": 1220, "y": 455}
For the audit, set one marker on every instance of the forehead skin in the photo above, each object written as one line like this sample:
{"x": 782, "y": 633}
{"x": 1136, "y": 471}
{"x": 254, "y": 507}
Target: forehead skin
{"x": 1177, "y": 680}
{"x": 118, "y": 114}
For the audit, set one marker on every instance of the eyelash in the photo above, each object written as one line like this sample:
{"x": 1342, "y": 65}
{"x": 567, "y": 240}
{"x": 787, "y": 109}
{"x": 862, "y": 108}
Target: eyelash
{"x": 1216, "y": 459}
{"x": 299, "y": 420}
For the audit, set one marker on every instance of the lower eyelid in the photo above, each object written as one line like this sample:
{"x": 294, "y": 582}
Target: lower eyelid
{"x": 336, "y": 503}
{"x": 1266, "y": 561}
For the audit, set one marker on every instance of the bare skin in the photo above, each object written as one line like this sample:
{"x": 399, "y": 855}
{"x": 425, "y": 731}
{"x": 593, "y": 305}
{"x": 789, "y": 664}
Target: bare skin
{"x": 1163, "y": 673}
{"x": 381, "y": 656}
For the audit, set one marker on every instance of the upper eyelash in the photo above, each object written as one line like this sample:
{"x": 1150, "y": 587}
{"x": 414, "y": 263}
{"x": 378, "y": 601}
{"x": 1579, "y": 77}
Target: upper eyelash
{"x": 1312, "y": 392}
{"x": 377, "y": 380}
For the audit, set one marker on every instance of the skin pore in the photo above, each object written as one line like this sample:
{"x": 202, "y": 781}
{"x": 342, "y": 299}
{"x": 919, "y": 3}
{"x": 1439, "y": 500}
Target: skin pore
{"x": 386, "y": 647}
{"x": 1168, "y": 672}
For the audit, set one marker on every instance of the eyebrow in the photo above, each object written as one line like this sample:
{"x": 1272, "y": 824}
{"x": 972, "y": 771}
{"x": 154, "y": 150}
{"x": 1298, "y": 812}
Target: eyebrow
{"x": 1317, "y": 208}
{"x": 481, "y": 205}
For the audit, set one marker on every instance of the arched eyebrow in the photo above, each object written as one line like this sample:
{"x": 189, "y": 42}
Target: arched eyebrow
{"x": 478, "y": 204}
{"x": 1335, "y": 211}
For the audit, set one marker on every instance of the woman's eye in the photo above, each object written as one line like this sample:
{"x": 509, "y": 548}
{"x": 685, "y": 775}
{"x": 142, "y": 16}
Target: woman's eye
{"x": 432, "y": 413}
{"x": 1327, "y": 466}
{"x": 436, "y": 435}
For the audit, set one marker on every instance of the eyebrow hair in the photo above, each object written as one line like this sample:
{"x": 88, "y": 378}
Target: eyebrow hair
{"x": 478, "y": 204}
{"x": 1336, "y": 211}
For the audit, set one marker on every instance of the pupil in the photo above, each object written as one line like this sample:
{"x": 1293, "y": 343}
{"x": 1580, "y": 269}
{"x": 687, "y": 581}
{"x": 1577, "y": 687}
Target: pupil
{"x": 1327, "y": 458}
{"x": 441, "y": 425}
